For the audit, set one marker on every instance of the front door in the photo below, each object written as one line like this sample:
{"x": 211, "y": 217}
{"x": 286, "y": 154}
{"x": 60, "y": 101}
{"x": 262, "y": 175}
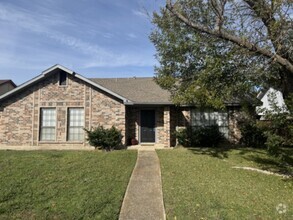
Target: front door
{"x": 147, "y": 125}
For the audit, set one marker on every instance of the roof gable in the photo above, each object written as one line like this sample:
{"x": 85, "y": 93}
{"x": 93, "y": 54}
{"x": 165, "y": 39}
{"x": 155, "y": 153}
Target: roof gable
{"x": 53, "y": 70}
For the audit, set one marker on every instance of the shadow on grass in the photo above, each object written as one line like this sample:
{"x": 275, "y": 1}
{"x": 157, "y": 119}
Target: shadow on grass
{"x": 281, "y": 165}
{"x": 220, "y": 153}
{"x": 260, "y": 157}
{"x": 244, "y": 151}
{"x": 272, "y": 164}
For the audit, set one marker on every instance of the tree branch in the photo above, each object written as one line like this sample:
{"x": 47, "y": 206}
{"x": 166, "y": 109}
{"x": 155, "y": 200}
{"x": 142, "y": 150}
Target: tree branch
{"x": 219, "y": 7}
{"x": 242, "y": 42}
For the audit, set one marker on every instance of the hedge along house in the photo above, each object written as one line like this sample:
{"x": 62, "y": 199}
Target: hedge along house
{"x": 52, "y": 109}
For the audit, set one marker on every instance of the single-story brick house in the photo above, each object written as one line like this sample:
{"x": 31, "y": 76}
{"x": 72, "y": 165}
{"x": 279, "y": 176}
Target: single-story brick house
{"x": 53, "y": 108}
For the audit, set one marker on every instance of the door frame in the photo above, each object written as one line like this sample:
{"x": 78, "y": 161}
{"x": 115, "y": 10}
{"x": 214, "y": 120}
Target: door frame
{"x": 155, "y": 127}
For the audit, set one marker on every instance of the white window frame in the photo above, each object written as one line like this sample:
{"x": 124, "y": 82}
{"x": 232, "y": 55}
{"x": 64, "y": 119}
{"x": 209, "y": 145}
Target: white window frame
{"x": 45, "y": 124}
{"x": 75, "y": 125}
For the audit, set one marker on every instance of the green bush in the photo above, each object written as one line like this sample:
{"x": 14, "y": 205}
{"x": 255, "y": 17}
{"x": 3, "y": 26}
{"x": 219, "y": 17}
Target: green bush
{"x": 200, "y": 136}
{"x": 274, "y": 143}
{"x": 252, "y": 135}
{"x": 183, "y": 137}
{"x": 280, "y": 125}
{"x": 103, "y": 138}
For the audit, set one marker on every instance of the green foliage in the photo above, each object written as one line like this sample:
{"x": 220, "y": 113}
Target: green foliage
{"x": 275, "y": 132}
{"x": 200, "y": 136}
{"x": 106, "y": 139}
{"x": 274, "y": 143}
{"x": 279, "y": 126}
{"x": 198, "y": 68}
{"x": 252, "y": 135}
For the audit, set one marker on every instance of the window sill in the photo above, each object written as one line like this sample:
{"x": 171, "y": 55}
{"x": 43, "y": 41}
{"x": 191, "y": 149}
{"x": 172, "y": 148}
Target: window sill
{"x": 61, "y": 142}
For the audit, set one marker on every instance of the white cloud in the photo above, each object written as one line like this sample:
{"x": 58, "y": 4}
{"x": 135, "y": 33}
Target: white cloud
{"x": 33, "y": 21}
{"x": 108, "y": 35}
{"x": 51, "y": 26}
{"x": 141, "y": 13}
{"x": 131, "y": 35}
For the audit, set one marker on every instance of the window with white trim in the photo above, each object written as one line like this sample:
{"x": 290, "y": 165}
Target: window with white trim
{"x": 75, "y": 124}
{"x": 209, "y": 117}
{"x": 48, "y": 124}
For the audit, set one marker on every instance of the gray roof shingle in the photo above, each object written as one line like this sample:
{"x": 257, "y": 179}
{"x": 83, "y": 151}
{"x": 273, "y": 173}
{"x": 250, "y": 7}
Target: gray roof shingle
{"x": 138, "y": 90}
{"x": 2, "y": 81}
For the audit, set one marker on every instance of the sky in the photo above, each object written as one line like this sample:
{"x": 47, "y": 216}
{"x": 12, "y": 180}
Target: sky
{"x": 95, "y": 38}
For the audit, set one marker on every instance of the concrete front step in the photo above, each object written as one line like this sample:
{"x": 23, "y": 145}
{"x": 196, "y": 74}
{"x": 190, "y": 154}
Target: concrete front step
{"x": 147, "y": 147}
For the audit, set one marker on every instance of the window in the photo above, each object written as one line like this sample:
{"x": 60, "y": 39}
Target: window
{"x": 48, "y": 124}
{"x": 62, "y": 79}
{"x": 208, "y": 117}
{"x": 75, "y": 124}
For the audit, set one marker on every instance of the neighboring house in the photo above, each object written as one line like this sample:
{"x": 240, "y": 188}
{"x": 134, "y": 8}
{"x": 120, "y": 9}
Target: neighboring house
{"x": 6, "y": 85}
{"x": 270, "y": 98}
{"x": 53, "y": 108}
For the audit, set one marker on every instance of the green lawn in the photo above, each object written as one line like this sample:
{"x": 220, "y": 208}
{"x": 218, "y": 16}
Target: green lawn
{"x": 201, "y": 184}
{"x": 63, "y": 184}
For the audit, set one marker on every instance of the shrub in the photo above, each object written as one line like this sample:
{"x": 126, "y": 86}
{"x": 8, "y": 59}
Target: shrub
{"x": 274, "y": 143}
{"x": 183, "y": 137}
{"x": 103, "y": 138}
{"x": 252, "y": 135}
{"x": 200, "y": 136}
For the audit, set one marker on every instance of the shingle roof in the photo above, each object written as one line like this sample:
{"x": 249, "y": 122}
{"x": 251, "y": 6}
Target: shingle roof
{"x": 138, "y": 90}
{"x": 2, "y": 81}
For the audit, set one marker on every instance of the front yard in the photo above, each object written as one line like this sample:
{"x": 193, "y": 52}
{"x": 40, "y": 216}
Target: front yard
{"x": 197, "y": 184}
{"x": 202, "y": 184}
{"x": 63, "y": 185}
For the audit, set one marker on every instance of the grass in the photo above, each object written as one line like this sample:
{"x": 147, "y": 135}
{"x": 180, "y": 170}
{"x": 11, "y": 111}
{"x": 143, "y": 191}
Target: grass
{"x": 63, "y": 184}
{"x": 201, "y": 184}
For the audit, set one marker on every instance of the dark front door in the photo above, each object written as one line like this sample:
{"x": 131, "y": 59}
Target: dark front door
{"x": 147, "y": 125}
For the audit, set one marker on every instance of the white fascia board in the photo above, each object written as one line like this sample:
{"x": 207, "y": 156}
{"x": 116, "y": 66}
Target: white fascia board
{"x": 57, "y": 66}
{"x": 21, "y": 86}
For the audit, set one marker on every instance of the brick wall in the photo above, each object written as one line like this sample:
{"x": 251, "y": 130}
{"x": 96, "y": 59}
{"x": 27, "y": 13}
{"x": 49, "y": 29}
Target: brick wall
{"x": 234, "y": 131}
{"x": 165, "y": 124}
{"x": 20, "y": 114}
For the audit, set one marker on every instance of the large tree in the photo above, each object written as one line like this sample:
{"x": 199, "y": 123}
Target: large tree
{"x": 211, "y": 51}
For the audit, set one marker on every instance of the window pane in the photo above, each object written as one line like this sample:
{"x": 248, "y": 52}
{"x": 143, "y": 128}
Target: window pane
{"x": 223, "y": 119}
{"x": 213, "y": 118}
{"x": 47, "y": 134}
{"x": 48, "y": 123}
{"x": 195, "y": 118}
{"x": 76, "y": 124}
{"x": 48, "y": 118}
{"x": 76, "y": 117}
{"x": 224, "y": 131}
{"x": 205, "y": 119}
{"x": 76, "y": 134}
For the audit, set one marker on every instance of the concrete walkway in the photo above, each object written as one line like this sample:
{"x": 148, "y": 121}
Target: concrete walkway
{"x": 144, "y": 196}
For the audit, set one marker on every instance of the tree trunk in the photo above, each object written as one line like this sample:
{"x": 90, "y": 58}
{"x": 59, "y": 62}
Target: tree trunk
{"x": 287, "y": 89}
{"x": 287, "y": 83}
